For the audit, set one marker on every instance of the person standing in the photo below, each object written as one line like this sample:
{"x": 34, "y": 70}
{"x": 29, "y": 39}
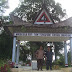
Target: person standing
{"x": 39, "y": 56}
{"x": 48, "y": 58}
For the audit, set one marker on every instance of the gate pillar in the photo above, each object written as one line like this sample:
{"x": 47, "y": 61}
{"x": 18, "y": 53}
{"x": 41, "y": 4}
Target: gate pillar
{"x": 65, "y": 54}
{"x": 17, "y": 52}
{"x": 14, "y": 49}
{"x": 71, "y": 49}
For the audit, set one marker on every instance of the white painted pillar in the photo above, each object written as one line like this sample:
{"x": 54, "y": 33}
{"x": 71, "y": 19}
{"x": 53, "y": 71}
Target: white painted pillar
{"x": 17, "y": 52}
{"x": 65, "y": 53}
{"x": 14, "y": 49}
{"x": 71, "y": 49}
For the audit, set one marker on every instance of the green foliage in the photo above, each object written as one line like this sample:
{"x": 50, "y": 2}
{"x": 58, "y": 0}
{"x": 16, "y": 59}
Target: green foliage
{"x": 5, "y": 20}
{"x": 4, "y": 66}
{"x": 30, "y": 8}
{"x": 69, "y": 59}
{"x": 5, "y": 46}
{"x": 2, "y": 62}
{"x": 60, "y": 61}
{"x": 23, "y": 28}
{"x": 3, "y": 5}
{"x": 23, "y": 53}
{"x": 30, "y": 48}
{"x": 58, "y": 46}
{"x": 34, "y": 46}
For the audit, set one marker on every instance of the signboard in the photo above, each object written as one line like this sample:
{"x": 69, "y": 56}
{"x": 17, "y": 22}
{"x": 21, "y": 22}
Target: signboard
{"x": 44, "y": 34}
{"x": 43, "y": 18}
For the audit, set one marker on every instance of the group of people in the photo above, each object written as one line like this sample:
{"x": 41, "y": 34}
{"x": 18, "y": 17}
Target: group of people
{"x": 40, "y": 54}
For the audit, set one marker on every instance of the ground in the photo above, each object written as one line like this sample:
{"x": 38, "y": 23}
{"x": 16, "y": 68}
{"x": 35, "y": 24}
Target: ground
{"x": 28, "y": 69}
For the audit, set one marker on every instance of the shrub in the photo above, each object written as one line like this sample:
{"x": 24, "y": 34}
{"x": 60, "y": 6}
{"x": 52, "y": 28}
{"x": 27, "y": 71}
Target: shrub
{"x": 4, "y": 66}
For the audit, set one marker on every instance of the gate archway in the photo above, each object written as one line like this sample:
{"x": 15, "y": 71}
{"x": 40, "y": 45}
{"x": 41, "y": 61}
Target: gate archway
{"x": 42, "y": 29}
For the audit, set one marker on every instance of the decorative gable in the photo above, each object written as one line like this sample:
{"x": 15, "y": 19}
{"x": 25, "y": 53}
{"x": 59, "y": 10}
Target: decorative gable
{"x": 43, "y": 18}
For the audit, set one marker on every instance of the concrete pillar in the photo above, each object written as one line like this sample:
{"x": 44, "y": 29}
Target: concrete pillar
{"x": 71, "y": 49}
{"x": 14, "y": 49}
{"x": 65, "y": 53}
{"x": 17, "y": 53}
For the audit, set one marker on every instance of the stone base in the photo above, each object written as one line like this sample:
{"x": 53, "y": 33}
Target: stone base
{"x": 66, "y": 65}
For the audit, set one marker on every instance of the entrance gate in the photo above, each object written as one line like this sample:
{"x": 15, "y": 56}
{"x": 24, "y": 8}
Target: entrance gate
{"x": 42, "y": 29}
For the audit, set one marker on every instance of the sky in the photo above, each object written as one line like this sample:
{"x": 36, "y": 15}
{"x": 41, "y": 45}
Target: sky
{"x": 12, "y": 5}
{"x": 66, "y": 4}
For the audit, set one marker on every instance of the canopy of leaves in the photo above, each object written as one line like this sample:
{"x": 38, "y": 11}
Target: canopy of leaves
{"x": 69, "y": 58}
{"x": 23, "y": 53}
{"x": 31, "y": 48}
{"x": 3, "y": 6}
{"x": 58, "y": 46}
{"x": 5, "y": 46}
{"x": 61, "y": 61}
{"x": 34, "y": 46}
{"x": 29, "y": 8}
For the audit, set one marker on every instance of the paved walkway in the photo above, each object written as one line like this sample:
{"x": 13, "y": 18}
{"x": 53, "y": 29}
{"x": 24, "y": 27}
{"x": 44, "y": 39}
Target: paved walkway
{"x": 24, "y": 70}
{"x": 29, "y": 69}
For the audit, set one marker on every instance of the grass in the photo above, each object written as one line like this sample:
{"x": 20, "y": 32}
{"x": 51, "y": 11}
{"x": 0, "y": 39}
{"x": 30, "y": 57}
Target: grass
{"x": 2, "y": 62}
{"x": 44, "y": 67}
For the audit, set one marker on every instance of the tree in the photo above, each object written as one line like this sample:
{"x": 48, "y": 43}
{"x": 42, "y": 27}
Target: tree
{"x": 24, "y": 51}
{"x": 5, "y": 39}
{"x": 61, "y": 61}
{"x": 3, "y": 6}
{"x": 58, "y": 46}
{"x": 36, "y": 45}
{"x": 69, "y": 58}
{"x": 5, "y": 46}
{"x": 30, "y": 48}
{"x": 33, "y": 47}
{"x": 29, "y": 9}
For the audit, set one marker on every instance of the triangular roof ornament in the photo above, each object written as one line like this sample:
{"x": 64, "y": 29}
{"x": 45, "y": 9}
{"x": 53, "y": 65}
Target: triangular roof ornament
{"x": 43, "y": 17}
